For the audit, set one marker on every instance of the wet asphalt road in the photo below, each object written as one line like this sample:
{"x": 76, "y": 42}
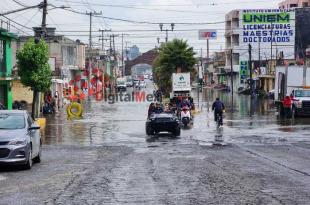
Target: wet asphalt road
{"x": 106, "y": 158}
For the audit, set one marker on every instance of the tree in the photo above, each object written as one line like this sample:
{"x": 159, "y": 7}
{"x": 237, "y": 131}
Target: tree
{"x": 174, "y": 56}
{"x": 34, "y": 69}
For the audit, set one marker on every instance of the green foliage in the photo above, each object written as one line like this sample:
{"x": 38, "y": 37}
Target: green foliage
{"x": 33, "y": 67}
{"x": 173, "y": 55}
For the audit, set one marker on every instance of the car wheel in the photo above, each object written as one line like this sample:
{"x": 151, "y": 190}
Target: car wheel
{"x": 177, "y": 132}
{"x": 149, "y": 130}
{"x": 28, "y": 165}
{"x": 37, "y": 159}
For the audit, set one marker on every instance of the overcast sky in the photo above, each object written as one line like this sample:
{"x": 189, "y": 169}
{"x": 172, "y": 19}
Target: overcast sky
{"x": 76, "y": 26}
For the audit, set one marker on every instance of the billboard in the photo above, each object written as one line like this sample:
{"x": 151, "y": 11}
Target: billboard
{"x": 269, "y": 31}
{"x": 207, "y": 34}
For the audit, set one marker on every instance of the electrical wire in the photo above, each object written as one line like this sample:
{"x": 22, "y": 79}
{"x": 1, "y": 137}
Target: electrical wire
{"x": 17, "y": 23}
{"x": 146, "y": 22}
{"x": 185, "y": 5}
{"x": 19, "y": 3}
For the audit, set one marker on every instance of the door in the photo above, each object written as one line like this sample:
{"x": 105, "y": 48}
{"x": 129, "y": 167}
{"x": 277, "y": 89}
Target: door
{"x": 35, "y": 137}
{"x": 3, "y": 95}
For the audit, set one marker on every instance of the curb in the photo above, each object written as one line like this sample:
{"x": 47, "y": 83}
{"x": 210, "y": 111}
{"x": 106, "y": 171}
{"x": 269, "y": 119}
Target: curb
{"x": 41, "y": 122}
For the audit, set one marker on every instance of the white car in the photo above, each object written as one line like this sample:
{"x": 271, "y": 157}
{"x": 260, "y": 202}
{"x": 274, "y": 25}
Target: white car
{"x": 20, "y": 139}
{"x": 142, "y": 84}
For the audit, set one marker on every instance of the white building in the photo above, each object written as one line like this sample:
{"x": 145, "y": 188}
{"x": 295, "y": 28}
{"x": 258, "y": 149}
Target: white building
{"x": 232, "y": 36}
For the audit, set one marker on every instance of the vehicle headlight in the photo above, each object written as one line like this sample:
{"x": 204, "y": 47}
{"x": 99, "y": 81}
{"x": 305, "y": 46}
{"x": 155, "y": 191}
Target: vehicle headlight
{"x": 18, "y": 142}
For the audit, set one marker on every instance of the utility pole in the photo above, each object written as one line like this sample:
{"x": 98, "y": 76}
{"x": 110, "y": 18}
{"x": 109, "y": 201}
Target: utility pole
{"x": 231, "y": 71}
{"x": 259, "y": 56}
{"x": 250, "y": 68}
{"x": 123, "y": 69}
{"x": 36, "y": 98}
{"x": 91, "y": 14}
{"x": 102, "y": 37}
{"x": 110, "y": 50}
{"x": 44, "y": 13}
{"x": 271, "y": 34}
{"x": 232, "y": 80}
{"x": 208, "y": 50}
{"x": 113, "y": 41}
{"x": 90, "y": 48}
{"x": 161, "y": 25}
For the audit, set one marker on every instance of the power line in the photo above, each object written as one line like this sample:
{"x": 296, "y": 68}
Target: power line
{"x": 186, "y": 5}
{"x": 147, "y": 22}
{"x": 19, "y": 3}
{"x": 17, "y": 23}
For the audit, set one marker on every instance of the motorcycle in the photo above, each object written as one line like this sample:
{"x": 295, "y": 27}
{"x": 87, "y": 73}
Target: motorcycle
{"x": 186, "y": 117}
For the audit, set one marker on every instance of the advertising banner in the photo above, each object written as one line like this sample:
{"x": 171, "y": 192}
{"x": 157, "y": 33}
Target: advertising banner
{"x": 244, "y": 71}
{"x": 181, "y": 82}
{"x": 207, "y": 34}
{"x": 269, "y": 31}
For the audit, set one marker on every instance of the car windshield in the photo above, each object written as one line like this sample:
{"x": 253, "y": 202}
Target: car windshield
{"x": 302, "y": 93}
{"x": 121, "y": 82}
{"x": 12, "y": 121}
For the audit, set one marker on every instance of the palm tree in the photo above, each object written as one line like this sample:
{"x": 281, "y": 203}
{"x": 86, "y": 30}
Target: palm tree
{"x": 174, "y": 56}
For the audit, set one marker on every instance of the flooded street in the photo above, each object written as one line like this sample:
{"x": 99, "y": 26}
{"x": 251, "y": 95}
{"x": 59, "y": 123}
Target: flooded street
{"x": 123, "y": 123}
{"x": 106, "y": 158}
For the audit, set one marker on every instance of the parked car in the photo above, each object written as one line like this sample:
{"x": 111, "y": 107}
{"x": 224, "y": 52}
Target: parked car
{"x": 20, "y": 140}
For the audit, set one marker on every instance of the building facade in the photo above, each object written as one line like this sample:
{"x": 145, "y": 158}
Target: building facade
{"x": 288, "y": 4}
{"x": 270, "y": 35}
{"x": 66, "y": 59}
{"x": 134, "y": 52}
{"x": 6, "y": 39}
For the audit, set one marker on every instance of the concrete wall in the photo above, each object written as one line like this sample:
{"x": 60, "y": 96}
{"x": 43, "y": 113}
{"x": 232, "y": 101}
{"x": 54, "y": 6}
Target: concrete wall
{"x": 81, "y": 56}
{"x": 20, "y": 92}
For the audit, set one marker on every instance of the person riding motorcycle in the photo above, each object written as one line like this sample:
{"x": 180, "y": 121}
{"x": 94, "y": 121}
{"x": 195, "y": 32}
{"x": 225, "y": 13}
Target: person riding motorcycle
{"x": 218, "y": 107}
{"x": 185, "y": 116}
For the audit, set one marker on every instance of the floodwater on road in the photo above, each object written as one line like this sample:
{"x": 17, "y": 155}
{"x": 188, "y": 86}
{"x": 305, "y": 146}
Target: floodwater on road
{"x": 106, "y": 158}
{"x": 123, "y": 123}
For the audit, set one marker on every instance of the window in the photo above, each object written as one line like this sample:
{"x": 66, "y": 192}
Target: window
{"x": 305, "y": 4}
{"x": 302, "y": 93}
{"x": 12, "y": 121}
{"x": 2, "y": 56}
{"x": 293, "y": 5}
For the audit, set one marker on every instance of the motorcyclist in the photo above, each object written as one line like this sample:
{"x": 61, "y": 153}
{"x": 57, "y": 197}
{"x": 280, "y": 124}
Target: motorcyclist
{"x": 185, "y": 103}
{"x": 218, "y": 107}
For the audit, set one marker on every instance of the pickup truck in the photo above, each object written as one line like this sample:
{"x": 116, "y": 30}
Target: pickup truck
{"x": 293, "y": 81}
